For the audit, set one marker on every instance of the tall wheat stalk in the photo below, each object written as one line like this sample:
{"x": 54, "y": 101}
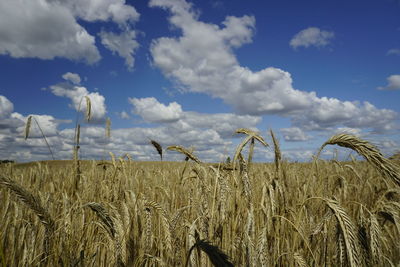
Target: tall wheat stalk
{"x": 158, "y": 147}
{"x": 186, "y": 152}
{"x": 36, "y": 206}
{"x": 28, "y": 128}
{"x": 251, "y": 136}
{"x": 277, "y": 151}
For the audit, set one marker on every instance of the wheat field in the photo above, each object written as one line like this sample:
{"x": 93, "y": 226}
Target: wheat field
{"x": 126, "y": 213}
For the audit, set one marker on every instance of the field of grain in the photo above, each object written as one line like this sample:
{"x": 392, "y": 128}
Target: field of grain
{"x": 127, "y": 213}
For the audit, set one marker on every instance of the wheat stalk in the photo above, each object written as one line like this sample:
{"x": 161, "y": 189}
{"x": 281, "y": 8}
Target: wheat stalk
{"x": 36, "y": 206}
{"x": 277, "y": 151}
{"x": 185, "y": 151}
{"x": 27, "y": 130}
{"x": 158, "y": 147}
{"x": 369, "y": 152}
{"x": 108, "y": 128}
{"x": 88, "y": 108}
{"x": 217, "y": 257}
{"x": 251, "y": 135}
{"x": 28, "y": 127}
{"x": 104, "y": 216}
{"x": 347, "y": 231}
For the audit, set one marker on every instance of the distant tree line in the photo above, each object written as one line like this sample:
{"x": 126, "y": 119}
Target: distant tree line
{"x": 6, "y": 161}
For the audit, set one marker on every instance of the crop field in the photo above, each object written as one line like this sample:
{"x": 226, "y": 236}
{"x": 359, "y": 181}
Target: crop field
{"x": 126, "y": 213}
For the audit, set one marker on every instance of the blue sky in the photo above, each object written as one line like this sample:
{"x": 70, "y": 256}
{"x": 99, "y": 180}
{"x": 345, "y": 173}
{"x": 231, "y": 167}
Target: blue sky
{"x": 190, "y": 73}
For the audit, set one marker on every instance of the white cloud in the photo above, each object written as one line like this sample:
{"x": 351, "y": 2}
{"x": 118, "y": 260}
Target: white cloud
{"x": 394, "y": 51}
{"x": 45, "y": 30}
{"x": 298, "y": 154}
{"x": 311, "y": 36}
{"x": 101, "y": 10}
{"x": 72, "y": 77}
{"x": 6, "y": 107}
{"x": 124, "y": 115}
{"x": 12, "y": 126}
{"x": 202, "y": 60}
{"x": 208, "y": 134}
{"x": 76, "y": 94}
{"x": 224, "y": 124}
{"x": 347, "y": 130}
{"x": 153, "y": 111}
{"x": 294, "y": 134}
{"x": 123, "y": 44}
{"x": 393, "y": 83}
{"x": 49, "y": 29}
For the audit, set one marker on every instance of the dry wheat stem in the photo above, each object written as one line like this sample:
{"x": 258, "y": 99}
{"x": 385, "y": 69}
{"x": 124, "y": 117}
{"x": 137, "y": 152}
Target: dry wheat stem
{"x": 184, "y": 151}
{"x": 35, "y": 205}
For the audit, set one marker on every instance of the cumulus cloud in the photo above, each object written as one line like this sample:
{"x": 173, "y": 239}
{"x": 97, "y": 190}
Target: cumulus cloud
{"x": 393, "y": 83}
{"x": 49, "y": 29}
{"x": 123, "y": 115}
{"x": 76, "y": 94}
{"x": 394, "y": 51}
{"x": 6, "y": 107}
{"x": 208, "y": 134}
{"x": 12, "y": 125}
{"x": 44, "y": 30}
{"x": 311, "y": 36}
{"x": 101, "y": 10}
{"x": 72, "y": 77}
{"x": 124, "y": 44}
{"x": 153, "y": 111}
{"x": 294, "y": 134}
{"x": 298, "y": 154}
{"x": 224, "y": 124}
{"x": 202, "y": 60}
{"x": 347, "y": 130}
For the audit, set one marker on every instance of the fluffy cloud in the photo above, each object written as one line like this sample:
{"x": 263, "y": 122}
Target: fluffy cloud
{"x": 294, "y": 134}
{"x": 203, "y": 132}
{"x": 76, "y": 94}
{"x": 393, "y": 83}
{"x": 224, "y": 124}
{"x": 123, "y": 115}
{"x": 48, "y": 29}
{"x": 153, "y": 111}
{"x": 202, "y": 60}
{"x": 311, "y": 36}
{"x": 101, "y": 10}
{"x": 6, "y": 107}
{"x": 72, "y": 77}
{"x": 12, "y": 126}
{"x": 43, "y": 30}
{"x": 123, "y": 44}
{"x": 347, "y": 130}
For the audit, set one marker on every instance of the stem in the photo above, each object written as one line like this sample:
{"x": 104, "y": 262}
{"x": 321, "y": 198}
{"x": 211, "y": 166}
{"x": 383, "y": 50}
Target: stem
{"x": 44, "y": 137}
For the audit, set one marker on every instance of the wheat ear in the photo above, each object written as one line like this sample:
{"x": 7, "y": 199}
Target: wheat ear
{"x": 108, "y": 128}
{"x": 251, "y": 135}
{"x": 88, "y": 108}
{"x": 217, "y": 256}
{"x": 369, "y": 152}
{"x": 28, "y": 128}
{"x": 277, "y": 151}
{"x": 185, "y": 151}
{"x": 35, "y": 205}
{"x": 347, "y": 231}
{"x": 158, "y": 147}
